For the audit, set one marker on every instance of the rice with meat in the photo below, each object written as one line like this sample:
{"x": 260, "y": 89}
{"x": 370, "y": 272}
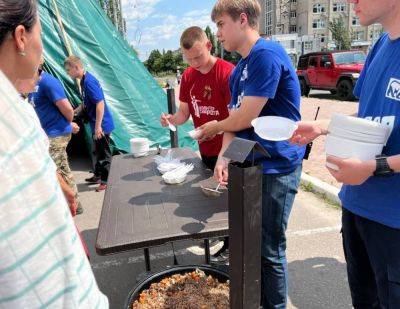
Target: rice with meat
{"x": 192, "y": 290}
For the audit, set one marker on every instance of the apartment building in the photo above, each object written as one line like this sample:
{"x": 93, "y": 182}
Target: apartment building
{"x": 310, "y": 20}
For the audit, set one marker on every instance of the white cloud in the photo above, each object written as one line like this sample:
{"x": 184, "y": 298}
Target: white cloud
{"x": 138, "y": 9}
{"x": 167, "y": 28}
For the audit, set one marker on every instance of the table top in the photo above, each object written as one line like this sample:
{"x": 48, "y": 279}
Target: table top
{"x": 140, "y": 210}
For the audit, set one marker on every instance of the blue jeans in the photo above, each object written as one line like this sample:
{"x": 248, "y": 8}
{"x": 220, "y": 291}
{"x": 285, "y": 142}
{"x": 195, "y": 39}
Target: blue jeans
{"x": 279, "y": 191}
{"x": 372, "y": 252}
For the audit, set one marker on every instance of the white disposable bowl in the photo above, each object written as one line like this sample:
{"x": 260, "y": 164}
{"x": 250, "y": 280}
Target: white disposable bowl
{"x": 356, "y": 124}
{"x": 357, "y": 136}
{"x": 140, "y": 154}
{"x": 167, "y": 166}
{"x": 195, "y": 134}
{"x": 139, "y": 145}
{"x": 173, "y": 180}
{"x": 274, "y": 128}
{"x": 345, "y": 148}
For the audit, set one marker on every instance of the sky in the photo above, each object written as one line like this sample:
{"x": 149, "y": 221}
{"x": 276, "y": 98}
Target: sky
{"x": 158, "y": 24}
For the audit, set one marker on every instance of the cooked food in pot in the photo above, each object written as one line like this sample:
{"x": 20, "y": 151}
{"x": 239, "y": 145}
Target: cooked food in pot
{"x": 194, "y": 290}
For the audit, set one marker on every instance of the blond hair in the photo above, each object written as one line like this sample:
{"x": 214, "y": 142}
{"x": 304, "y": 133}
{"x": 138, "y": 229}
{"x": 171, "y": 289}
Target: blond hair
{"x": 234, "y": 8}
{"x": 192, "y": 35}
{"x": 72, "y": 61}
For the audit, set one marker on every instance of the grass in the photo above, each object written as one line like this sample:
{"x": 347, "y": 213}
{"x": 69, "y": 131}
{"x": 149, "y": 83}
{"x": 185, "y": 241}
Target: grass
{"x": 308, "y": 187}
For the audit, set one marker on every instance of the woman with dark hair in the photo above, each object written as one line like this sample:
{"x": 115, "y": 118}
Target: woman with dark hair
{"x": 43, "y": 263}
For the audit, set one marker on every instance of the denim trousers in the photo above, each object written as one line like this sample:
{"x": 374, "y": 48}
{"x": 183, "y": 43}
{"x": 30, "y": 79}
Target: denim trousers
{"x": 279, "y": 191}
{"x": 372, "y": 253}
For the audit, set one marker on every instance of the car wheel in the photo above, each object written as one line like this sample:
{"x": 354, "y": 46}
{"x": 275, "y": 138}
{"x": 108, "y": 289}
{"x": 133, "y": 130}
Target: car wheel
{"x": 305, "y": 90}
{"x": 345, "y": 90}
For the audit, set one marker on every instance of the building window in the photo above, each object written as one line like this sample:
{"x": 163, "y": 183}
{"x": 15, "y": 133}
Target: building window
{"x": 293, "y": 14}
{"x": 318, "y": 24}
{"x": 308, "y": 46}
{"x": 322, "y": 38}
{"x": 355, "y": 21}
{"x": 359, "y": 35}
{"x": 318, "y": 8}
{"x": 292, "y": 29}
{"x": 293, "y": 1}
{"x": 339, "y": 7}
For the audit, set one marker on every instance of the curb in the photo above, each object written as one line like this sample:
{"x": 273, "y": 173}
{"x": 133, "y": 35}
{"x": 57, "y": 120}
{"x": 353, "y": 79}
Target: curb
{"x": 317, "y": 186}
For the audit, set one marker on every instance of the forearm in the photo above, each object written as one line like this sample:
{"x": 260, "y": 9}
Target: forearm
{"x": 179, "y": 118}
{"x": 234, "y": 123}
{"x": 99, "y": 114}
{"x": 394, "y": 163}
{"x": 227, "y": 139}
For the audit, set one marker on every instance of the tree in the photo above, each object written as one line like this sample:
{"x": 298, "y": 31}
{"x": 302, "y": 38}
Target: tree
{"x": 169, "y": 64}
{"x": 340, "y": 34}
{"x": 153, "y": 62}
{"x": 213, "y": 40}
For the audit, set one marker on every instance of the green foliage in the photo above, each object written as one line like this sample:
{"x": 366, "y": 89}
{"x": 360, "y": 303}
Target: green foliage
{"x": 166, "y": 62}
{"x": 340, "y": 34}
{"x": 215, "y": 46}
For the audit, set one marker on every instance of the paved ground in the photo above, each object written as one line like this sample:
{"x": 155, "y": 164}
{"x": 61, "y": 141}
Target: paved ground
{"x": 329, "y": 105}
{"x": 316, "y": 263}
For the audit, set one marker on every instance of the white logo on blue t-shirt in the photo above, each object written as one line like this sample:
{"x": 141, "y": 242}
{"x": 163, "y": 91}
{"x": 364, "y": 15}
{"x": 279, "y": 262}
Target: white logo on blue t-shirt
{"x": 393, "y": 90}
{"x": 245, "y": 74}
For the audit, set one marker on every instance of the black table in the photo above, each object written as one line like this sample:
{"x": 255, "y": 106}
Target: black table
{"x": 141, "y": 211}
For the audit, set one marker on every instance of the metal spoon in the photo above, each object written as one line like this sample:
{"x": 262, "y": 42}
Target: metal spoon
{"x": 215, "y": 191}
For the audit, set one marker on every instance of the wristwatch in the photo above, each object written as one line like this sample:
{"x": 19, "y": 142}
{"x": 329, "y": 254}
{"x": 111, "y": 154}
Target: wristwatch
{"x": 382, "y": 167}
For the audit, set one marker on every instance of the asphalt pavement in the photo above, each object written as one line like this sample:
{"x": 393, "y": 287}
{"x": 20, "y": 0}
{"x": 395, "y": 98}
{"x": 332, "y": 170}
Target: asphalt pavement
{"x": 315, "y": 256}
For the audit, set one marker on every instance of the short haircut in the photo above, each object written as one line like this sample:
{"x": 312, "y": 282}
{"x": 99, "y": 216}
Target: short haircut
{"x": 192, "y": 35}
{"x": 72, "y": 61}
{"x": 234, "y": 8}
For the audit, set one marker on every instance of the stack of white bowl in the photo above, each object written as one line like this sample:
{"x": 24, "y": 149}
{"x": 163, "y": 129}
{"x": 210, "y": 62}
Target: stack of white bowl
{"x": 140, "y": 146}
{"x": 355, "y": 137}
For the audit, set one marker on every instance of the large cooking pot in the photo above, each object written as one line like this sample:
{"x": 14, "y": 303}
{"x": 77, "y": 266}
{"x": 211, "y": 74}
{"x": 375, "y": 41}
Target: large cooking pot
{"x": 219, "y": 274}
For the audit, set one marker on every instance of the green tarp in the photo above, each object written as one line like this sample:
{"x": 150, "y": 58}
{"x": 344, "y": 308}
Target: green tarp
{"x": 134, "y": 97}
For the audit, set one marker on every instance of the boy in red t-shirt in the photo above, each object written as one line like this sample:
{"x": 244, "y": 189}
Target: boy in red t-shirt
{"x": 204, "y": 90}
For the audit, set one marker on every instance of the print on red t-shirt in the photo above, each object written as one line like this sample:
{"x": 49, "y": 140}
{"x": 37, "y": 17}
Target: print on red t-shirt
{"x": 208, "y": 97}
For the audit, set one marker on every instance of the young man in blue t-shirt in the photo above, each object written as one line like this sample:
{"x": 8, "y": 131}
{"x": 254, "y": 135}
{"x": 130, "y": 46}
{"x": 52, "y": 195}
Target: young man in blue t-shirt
{"x": 263, "y": 83}
{"x": 371, "y": 189}
{"x": 100, "y": 118}
{"x": 56, "y": 114}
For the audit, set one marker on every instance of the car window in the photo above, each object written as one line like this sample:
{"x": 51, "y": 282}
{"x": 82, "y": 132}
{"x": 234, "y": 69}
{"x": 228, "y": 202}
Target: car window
{"x": 313, "y": 62}
{"x": 324, "y": 59}
{"x": 349, "y": 57}
{"x": 303, "y": 62}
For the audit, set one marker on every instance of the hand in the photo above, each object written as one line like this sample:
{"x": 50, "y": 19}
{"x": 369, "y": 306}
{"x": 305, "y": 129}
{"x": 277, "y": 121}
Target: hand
{"x": 164, "y": 118}
{"x": 351, "y": 171}
{"x": 221, "y": 171}
{"x": 209, "y": 130}
{"x": 98, "y": 133}
{"x": 71, "y": 201}
{"x": 75, "y": 127}
{"x": 306, "y": 132}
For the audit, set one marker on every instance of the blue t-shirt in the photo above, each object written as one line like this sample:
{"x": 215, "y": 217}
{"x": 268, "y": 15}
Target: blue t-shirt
{"x": 92, "y": 94}
{"x": 268, "y": 72}
{"x": 48, "y": 91}
{"x": 378, "y": 88}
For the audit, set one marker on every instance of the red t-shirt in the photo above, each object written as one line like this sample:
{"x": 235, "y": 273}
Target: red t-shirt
{"x": 208, "y": 97}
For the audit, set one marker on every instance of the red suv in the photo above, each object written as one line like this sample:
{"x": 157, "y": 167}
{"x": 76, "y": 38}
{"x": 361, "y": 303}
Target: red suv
{"x": 336, "y": 71}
